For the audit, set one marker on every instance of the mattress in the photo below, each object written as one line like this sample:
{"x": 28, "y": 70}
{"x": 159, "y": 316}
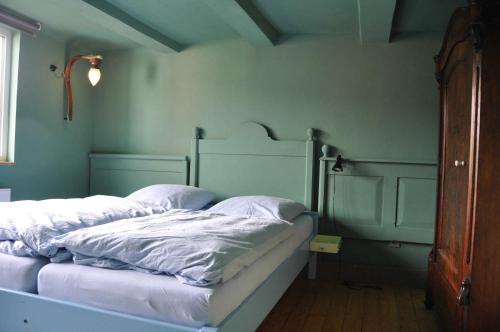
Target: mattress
{"x": 20, "y": 273}
{"x": 162, "y": 297}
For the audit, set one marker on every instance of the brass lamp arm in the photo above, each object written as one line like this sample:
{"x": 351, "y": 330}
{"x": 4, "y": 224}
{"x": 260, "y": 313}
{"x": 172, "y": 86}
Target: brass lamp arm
{"x": 94, "y": 60}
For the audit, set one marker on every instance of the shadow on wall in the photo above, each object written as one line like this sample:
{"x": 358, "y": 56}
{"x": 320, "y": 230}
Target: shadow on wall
{"x": 380, "y": 262}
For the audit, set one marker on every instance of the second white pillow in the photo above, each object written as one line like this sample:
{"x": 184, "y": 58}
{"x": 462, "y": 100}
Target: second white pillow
{"x": 259, "y": 206}
{"x": 173, "y": 196}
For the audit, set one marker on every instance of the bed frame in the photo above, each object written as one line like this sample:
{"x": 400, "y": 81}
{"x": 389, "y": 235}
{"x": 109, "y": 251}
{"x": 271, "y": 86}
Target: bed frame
{"x": 122, "y": 174}
{"x": 281, "y": 168}
{"x": 252, "y": 163}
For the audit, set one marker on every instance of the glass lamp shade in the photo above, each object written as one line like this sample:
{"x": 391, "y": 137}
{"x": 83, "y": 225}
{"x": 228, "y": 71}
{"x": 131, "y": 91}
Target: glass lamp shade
{"x": 94, "y": 75}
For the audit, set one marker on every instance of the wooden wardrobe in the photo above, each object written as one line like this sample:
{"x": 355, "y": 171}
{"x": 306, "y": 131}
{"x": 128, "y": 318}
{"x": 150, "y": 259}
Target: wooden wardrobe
{"x": 464, "y": 265}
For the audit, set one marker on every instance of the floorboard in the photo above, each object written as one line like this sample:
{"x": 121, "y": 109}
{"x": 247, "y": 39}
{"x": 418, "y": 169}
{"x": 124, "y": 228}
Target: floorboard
{"x": 329, "y": 305}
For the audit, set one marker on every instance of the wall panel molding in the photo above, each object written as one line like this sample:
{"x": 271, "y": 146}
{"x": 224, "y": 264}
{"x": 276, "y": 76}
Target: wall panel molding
{"x": 378, "y": 200}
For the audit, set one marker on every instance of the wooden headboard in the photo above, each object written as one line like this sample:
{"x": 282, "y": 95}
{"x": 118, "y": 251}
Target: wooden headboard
{"x": 251, "y": 163}
{"x": 382, "y": 200}
{"x": 121, "y": 174}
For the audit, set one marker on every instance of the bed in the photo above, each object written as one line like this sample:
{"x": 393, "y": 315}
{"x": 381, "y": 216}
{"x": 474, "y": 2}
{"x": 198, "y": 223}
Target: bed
{"x": 163, "y": 297}
{"x": 279, "y": 168}
{"x": 111, "y": 174}
{"x": 20, "y": 273}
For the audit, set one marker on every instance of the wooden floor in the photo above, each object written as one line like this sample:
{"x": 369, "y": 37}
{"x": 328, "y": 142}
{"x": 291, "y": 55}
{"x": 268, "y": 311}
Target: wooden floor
{"x": 326, "y": 304}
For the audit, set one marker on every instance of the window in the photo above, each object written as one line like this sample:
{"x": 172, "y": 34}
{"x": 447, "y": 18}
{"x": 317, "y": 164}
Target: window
{"x": 5, "y": 71}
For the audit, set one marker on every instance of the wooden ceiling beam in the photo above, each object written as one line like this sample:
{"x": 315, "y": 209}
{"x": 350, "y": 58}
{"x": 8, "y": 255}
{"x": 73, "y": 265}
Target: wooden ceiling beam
{"x": 118, "y": 21}
{"x": 396, "y": 19}
{"x": 247, "y": 20}
{"x": 375, "y": 20}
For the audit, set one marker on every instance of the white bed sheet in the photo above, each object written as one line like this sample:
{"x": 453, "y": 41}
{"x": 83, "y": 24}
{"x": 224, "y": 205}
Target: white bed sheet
{"x": 20, "y": 273}
{"x": 161, "y": 297}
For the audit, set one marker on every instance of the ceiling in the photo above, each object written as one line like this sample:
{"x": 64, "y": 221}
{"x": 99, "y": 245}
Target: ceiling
{"x": 416, "y": 16}
{"x": 173, "y": 25}
{"x": 292, "y": 17}
{"x": 187, "y": 21}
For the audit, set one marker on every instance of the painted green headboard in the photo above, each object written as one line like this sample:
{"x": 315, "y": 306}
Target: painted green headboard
{"x": 386, "y": 200}
{"x": 121, "y": 174}
{"x": 251, "y": 163}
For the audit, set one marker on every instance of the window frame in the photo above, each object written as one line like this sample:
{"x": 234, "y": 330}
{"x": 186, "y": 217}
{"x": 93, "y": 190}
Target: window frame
{"x": 6, "y": 49}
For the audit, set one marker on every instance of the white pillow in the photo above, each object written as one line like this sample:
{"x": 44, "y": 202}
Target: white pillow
{"x": 259, "y": 206}
{"x": 173, "y": 196}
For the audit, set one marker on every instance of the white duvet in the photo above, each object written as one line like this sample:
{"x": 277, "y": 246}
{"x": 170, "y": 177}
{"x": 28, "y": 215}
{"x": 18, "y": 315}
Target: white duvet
{"x": 198, "y": 247}
{"x": 27, "y": 227}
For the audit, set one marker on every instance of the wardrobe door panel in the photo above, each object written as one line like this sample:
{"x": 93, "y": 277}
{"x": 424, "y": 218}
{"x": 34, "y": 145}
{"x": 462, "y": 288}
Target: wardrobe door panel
{"x": 457, "y": 94}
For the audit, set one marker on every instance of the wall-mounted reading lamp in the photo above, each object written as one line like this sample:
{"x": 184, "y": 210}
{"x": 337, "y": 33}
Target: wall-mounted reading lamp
{"x": 94, "y": 77}
{"x": 338, "y": 167}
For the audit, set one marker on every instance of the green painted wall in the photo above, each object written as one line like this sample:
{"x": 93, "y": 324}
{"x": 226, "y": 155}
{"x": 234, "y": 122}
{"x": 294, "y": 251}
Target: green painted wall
{"x": 50, "y": 154}
{"x": 372, "y": 102}
{"x": 377, "y": 101}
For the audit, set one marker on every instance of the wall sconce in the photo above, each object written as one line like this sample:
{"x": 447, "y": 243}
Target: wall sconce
{"x": 94, "y": 77}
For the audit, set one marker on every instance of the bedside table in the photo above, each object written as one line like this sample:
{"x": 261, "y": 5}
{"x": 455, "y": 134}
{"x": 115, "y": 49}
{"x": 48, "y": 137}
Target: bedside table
{"x": 326, "y": 243}
{"x": 322, "y": 243}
